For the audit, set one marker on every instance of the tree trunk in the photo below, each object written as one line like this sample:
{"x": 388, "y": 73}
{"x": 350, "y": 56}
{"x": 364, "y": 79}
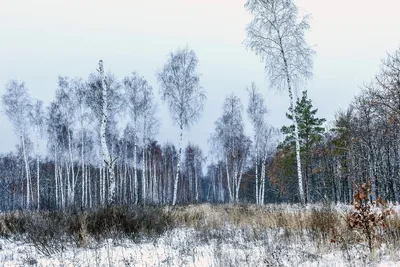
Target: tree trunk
{"x": 155, "y": 186}
{"x": 106, "y": 154}
{"x": 144, "y": 176}
{"x": 228, "y": 180}
{"x": 178, "y": 169}
{"x": 55, "y": 175}
{"x": 296, "y": 127}
{"x": 262, "y": 194}
{"x": 239, "y": 182}
{"x": 38, "y": 173}
{"x": 27, "y": 173}
{"x": 196, "y": 189}
{"x": 61, "y": 186}
{"x": 71, "y": 187}
{"x": 136, "y": 189}
{"x": 257, "y": 195}
{"x": 83, "y": 163}
{"x": 235, "y": 184}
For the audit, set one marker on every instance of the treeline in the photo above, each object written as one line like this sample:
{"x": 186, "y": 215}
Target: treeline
{"x": 102, "y": 148}
{"x": 100, "y": 141}
{"x": 56, "y": 190}
{"x": 361, "y": 145}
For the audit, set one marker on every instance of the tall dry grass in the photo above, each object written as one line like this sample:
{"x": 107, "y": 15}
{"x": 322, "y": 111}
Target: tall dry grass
{"x": 51, "y": 231}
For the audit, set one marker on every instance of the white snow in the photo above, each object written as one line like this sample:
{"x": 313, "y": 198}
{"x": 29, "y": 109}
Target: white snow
{"x": 187, "y": 247}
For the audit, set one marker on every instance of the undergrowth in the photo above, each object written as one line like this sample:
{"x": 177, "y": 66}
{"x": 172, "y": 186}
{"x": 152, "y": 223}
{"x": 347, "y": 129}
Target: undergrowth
{"x": 52, "y": 231}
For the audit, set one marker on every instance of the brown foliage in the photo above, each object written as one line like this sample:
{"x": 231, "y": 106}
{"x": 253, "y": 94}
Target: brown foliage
{"x": 369, "y": 215}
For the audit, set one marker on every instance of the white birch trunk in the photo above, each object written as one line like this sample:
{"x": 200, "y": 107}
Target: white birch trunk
{"x": 144, "y": 176}
{"x": 103, "y": 185}
{"x": 83, "y": 201}
{"x": 89, "y": 188}
{"x": 296, "y": 129}
{"x": 228, "y": 181}
{"x": 68, "y": 183}
{"x": 296, "y": 135}
{"x": 127, "y": 183}
{"x": 178, "y": 169}
{"x": 239, "y": 182}
{"x": 257, "y": 194}
{"x": 106, "y": 154}
{"x": 155, "y": 197}
{"x": 221, "y": 188}
{"x": 136, "y": 189}
{"x": 27, "y": 173}
{"x": 71, "y": 187}
{"x": 150, "y": 181}
{"x": 61, "y": 186}
{"x": 196, "y": 188}
{"x": 262, "y": 195}
{"x": 235, "y": 180}
{"x": 55, "y": 176}
{"x": 190, "y": 180}
{"x": 38, "y": 172}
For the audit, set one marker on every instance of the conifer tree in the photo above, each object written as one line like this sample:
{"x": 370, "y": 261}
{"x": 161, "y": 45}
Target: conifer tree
{"x": 310, "y": 132}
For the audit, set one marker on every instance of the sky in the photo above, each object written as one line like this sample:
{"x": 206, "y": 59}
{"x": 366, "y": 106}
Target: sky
{"x": 42, "y": 39}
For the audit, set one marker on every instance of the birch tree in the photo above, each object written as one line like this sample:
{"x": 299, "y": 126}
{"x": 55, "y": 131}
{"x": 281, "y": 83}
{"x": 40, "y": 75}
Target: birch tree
{"x": 138, "y": 95}
{"x": 57, "y": 132}
{"x": 67, "y": 105}
{"x": 233, "y": 144}
{"x": 104, "y": 99}
{"x": 37, "y": 117}
{"x": 180, "y": 88}
{"x": 269, "y": 137}
{"x": 276, "y": 34}
{"x": 79, "y": 90}
{"x": 256, "y": 111}
{"x": 148, "y": 128}
{"x": 193, "y": 168}
{"x": 17, "y": 104}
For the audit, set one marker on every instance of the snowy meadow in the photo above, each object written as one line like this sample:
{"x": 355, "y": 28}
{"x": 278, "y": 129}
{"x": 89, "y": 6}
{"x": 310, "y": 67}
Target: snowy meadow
{"x": 195, "y": 235}
{"x": 170, "y": 154}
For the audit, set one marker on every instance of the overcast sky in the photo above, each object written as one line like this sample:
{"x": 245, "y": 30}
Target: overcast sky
{"x": 42, "y": 39}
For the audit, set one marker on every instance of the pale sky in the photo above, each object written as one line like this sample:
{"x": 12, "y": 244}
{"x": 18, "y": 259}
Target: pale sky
{"x": 42, "y": 39}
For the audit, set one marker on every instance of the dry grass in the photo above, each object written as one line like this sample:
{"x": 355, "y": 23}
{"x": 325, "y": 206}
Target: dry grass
{"x": 49, "y": 231}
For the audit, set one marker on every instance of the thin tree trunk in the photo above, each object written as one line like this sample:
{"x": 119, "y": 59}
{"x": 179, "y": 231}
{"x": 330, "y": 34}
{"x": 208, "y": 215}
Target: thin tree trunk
{"x": 196, "y": 189}
{"x": 55, "y": 175}
{"x": 136, "y": 189}
{"x": 71, "y": 188}
{"x": 61, "y": 186}
{"x": 144, "y": 176}
{"x": 262, "y": 195}
{"x": 89, "y": 189}
{"x": 38, "y": 176}
{"x": 83, "y": 166}
{"x": 155, "y": 186}
{"x": 27, "y": 173}
{"x": 150, "y": 181}
{"x": 178, "y": 169}
{"x": 239, "y": 181}
{"x": 228, "y": 180}
{"x": 106, "y": 154}
{"x": 257, "y": 189}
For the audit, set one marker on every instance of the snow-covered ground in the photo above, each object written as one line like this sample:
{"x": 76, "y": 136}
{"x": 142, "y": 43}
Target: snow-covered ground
{"x": 187, "y": 247}
{"x": 217, "y": 241}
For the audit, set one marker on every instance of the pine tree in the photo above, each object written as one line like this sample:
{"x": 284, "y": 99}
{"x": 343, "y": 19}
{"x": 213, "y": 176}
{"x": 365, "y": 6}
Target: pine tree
{"x": 310, "y": 132}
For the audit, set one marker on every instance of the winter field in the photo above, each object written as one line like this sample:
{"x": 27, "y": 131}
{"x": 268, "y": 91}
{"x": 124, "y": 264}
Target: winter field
{"x": 195, "y": 235}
